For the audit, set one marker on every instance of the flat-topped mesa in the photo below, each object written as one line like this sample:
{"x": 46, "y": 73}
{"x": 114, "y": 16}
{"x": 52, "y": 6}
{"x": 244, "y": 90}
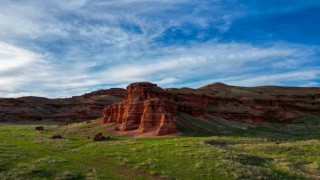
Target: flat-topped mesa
{"x": 146, "y": 107}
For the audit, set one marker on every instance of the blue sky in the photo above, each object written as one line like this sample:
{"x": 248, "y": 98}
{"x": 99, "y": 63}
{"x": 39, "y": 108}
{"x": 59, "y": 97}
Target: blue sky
{"x": 59, "y": 48}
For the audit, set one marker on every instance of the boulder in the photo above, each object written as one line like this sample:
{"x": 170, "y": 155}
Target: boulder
{"x": 39, "y": 128}
{"x": 100, "y": 137}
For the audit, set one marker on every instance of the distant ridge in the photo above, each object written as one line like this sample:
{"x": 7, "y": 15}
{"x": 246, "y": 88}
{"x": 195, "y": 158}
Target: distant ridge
{"x": 215, "y": 86}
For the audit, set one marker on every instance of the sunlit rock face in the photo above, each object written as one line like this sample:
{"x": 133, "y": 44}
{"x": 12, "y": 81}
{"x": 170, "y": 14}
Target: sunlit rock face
{"x": 146, "y": 108}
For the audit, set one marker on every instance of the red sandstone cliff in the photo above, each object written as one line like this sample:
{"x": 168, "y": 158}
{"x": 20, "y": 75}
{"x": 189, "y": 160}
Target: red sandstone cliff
{"x": 149, "y": 108}
{"x": 146, "y": 108}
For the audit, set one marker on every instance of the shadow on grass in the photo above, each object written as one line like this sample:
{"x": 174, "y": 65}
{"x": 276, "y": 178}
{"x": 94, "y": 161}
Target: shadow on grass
{"x": 306, "y": 129}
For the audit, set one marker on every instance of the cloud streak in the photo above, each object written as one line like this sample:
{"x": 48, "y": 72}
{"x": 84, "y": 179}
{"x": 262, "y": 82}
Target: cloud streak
{"x": 16, "y": 66}
{"x": 84, "y": 45}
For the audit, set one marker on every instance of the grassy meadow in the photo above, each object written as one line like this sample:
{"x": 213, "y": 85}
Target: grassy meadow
{"x": 274, "y": 152}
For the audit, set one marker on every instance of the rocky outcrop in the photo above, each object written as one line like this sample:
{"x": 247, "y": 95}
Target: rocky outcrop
{"x": 146, "y": 108}
{"x": 158, "y": 114}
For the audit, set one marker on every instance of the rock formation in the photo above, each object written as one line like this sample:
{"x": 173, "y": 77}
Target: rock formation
{"x": 146, "y": 107}
{"x": 149, "y": 108}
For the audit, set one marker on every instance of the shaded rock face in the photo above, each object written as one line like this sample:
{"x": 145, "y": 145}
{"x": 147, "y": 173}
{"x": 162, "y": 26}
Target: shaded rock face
{"x": 256, "y": 105}
{"x": 146, "y": 108}
{"x": 251, "y": 110}
{"x": 74, "y": 109}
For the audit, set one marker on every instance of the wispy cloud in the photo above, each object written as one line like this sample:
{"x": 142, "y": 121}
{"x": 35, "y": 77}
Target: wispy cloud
{"x": 279, "y": 78}
{"x": 15, "y": 58}
{"x": 16, "y": 64}
{"x": 82, "y": 45}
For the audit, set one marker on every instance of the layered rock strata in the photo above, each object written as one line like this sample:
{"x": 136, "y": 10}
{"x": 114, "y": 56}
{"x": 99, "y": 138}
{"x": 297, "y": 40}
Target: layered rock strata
{"x": 148, "y": 108}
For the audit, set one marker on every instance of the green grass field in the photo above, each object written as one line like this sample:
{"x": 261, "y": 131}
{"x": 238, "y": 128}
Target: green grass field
{"x": 274, "y": 152}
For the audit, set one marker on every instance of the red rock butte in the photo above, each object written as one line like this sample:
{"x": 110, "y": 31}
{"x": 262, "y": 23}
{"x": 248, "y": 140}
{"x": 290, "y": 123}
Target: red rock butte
{"x": 148, "y": 108}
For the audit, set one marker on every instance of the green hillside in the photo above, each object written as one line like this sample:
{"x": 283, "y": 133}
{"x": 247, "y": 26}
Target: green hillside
{"x": 214, "y": 150}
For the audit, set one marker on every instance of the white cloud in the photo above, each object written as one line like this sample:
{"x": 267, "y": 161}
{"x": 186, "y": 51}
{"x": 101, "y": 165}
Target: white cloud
{"x": 17, "y": 67}
{"x": 21, "y": 94}
{"x": 76, "y": 46}
{"x": 13, "y": 57}
{"x": 171, "y": 66}
{"x": 206, "y": 59}
{"x": 70, "y": 4}
{"x": 298, "y": 77}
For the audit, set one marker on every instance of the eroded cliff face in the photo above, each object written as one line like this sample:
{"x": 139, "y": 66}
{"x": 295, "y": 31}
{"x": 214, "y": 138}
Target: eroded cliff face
{"x": 256, "y": 105}
{"x": 148, "y": 108}
{"x": 245, "y": 109}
